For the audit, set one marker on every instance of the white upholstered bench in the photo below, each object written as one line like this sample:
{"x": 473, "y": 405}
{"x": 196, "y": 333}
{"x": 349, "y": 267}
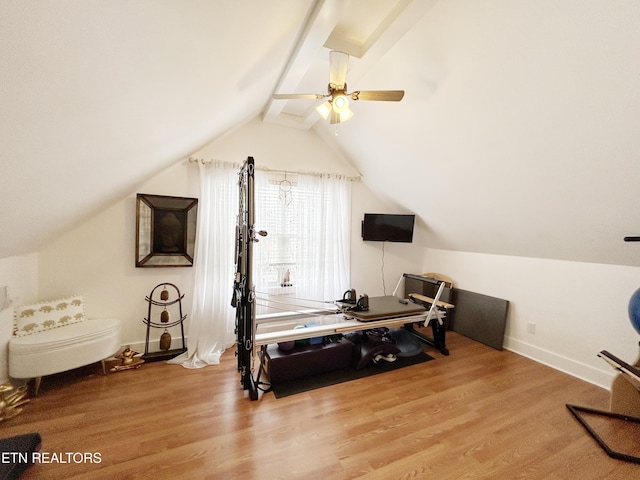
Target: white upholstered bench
{"x": 55, "y": 336}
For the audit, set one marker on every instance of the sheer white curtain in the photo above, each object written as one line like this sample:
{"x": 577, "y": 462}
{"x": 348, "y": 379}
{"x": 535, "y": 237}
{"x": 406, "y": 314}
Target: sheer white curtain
{"x": 326, "y": 227}
{"x": 308, "y": 220}
{"x": 211, "y": 323}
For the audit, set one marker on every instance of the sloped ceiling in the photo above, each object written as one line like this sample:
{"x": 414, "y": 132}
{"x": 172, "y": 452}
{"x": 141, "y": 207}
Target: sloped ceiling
{"x": 96, "y": 96}
{"x": 518, "y": 133}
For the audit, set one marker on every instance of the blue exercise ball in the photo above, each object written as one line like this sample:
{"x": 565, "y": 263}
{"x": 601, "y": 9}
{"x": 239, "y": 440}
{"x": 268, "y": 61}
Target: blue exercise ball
{"x": 634, "y": 310}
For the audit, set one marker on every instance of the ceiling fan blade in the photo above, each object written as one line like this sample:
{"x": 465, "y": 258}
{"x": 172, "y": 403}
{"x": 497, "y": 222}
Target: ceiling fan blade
{"x": 297, "y": 96}
{"x": 338, "y": 64}
{"x": 378, "y": 95}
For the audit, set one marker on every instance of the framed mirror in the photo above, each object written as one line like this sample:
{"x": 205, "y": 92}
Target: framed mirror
{"x": 165, "y": 230}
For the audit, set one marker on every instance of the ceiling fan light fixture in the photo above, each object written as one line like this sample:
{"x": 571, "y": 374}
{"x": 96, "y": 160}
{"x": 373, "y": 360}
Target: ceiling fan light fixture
{"x": 340, "y": 103}
{"x": 324, "y": 109}
{"x": 345, "y": 115}
{"x": 336, "y": 108}
{"x": 335, "y": 117}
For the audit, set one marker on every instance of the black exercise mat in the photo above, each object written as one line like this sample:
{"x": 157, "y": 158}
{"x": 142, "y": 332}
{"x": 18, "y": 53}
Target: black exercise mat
{"x": 300, "y": 385}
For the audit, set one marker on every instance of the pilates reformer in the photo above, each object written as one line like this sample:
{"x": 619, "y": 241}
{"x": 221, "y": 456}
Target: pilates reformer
{"x": 330, "y": 318}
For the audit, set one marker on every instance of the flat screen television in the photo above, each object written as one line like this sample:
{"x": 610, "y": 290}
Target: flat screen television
{"x": 384, "y": 227}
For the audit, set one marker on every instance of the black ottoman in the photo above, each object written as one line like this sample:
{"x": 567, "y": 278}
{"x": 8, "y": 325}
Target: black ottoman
{"x": 307, "y": 360}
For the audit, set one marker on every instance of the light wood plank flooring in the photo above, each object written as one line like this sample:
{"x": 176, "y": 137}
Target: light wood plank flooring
{"x": 476, "y": 414}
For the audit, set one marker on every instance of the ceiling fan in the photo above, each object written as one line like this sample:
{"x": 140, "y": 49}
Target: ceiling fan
{"x": 336, "y": 108}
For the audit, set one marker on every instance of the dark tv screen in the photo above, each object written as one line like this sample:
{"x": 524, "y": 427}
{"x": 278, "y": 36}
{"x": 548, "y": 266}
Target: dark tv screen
{"x": 382, "y": 227}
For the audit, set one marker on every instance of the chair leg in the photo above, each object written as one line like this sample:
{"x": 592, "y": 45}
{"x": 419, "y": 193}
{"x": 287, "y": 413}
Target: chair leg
{"x": 36, "y": 386}
{"x": 104, "y": 366}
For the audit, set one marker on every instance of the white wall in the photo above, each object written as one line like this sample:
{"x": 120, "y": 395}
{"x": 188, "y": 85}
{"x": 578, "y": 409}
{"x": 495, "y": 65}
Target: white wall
{"x": 275, "y": 147}
{"x": 97, "y": 259}
{"x": 376, "y": 267}
{"x": 20, "y": 276}
{"x": 579, "y": 308}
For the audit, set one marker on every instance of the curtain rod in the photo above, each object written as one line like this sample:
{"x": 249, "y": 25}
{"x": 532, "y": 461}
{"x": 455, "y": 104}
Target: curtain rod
{"x": 270, "y": 170}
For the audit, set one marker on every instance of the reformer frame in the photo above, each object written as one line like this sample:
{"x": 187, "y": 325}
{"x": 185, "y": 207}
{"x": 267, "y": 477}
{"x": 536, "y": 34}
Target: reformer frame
{"x": 244, "y": 295}
{"x": 243, "y": 298}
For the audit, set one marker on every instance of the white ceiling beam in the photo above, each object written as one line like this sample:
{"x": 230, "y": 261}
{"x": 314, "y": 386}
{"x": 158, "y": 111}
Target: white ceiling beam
{"x": 320, "y": 23}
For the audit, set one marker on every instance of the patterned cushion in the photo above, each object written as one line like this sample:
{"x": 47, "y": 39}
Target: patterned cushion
{"x": 37, "y": 317}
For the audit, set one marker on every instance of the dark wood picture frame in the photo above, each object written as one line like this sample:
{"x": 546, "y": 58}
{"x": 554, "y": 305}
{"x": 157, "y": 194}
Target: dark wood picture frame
{"x": 165, "y": 230}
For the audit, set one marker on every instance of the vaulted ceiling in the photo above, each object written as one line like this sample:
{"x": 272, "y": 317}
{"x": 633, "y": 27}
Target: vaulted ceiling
{"x": 517, "y": 135}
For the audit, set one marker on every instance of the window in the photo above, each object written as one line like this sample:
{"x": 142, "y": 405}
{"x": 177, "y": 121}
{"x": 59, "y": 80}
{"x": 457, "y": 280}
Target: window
{"x": 305, "y": 255}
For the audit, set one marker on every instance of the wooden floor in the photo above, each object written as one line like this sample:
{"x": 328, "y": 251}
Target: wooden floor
{"x": 478, "y": 413}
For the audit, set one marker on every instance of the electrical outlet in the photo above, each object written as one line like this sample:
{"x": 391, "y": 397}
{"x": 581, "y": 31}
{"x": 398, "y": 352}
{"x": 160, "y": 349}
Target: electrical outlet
{"x": 531, "y": 328}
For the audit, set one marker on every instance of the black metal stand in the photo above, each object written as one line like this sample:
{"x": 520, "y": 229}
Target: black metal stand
{"x": 575, "y": 410}
{"x": 624, "y": 398}
{"x": 164, "y": 322}
{"x": 439, "y": 335}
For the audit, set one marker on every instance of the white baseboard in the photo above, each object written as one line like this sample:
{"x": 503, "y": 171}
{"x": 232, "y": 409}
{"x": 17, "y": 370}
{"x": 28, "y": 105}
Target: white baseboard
{"x": 601, "y": 378}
